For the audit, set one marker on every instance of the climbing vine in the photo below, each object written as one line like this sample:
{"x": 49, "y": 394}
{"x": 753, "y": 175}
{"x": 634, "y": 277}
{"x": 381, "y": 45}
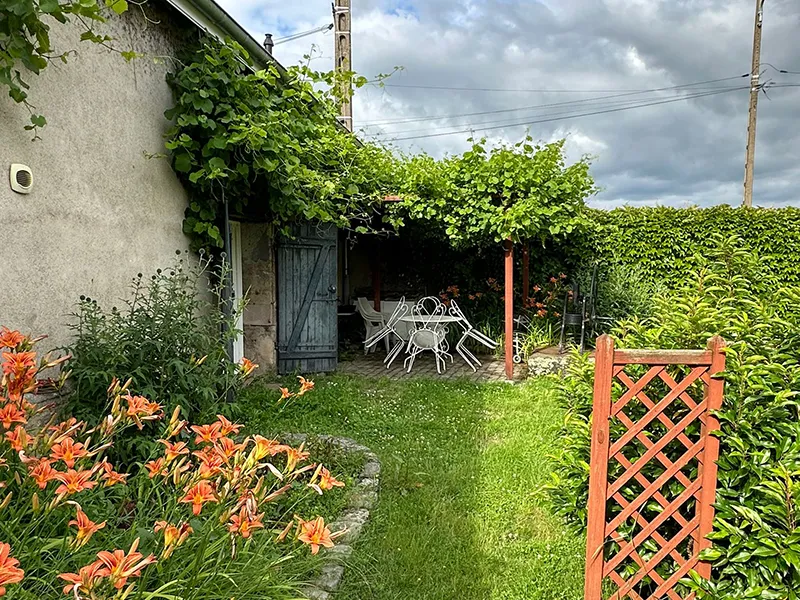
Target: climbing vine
{"x": 267, "y": 143}
{"x": 524, "y": 191}
{"x": 25, "y": 40}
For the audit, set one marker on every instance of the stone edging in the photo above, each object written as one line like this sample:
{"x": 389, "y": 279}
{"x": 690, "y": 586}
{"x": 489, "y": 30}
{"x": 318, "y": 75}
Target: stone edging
{"x": 355, "y": 515}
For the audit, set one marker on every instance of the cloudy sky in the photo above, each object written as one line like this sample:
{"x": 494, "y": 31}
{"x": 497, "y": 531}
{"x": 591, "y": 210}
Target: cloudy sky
{"x": 555, "y": 60}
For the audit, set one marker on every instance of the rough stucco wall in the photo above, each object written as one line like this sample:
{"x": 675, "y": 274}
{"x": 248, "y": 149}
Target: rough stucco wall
{"x": 100, "y": 212}
{"x": 258, "y": 280}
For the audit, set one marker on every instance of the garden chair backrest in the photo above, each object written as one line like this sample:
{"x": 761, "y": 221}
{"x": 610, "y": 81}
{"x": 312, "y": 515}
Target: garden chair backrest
{"x": 366, "y": 311}
{"x": 400, "y": 311}
{"x": 426, "y": 313}
{"x": 455, "y": 311}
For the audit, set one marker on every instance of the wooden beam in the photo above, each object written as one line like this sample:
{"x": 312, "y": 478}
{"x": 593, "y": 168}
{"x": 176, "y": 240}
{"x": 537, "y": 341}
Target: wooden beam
{"x": 509, "y": 302}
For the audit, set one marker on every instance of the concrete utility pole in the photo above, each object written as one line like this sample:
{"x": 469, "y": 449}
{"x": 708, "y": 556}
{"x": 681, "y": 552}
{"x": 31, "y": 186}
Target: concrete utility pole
{"x": 755, "y": 88}
{"x": 342, "y": 20}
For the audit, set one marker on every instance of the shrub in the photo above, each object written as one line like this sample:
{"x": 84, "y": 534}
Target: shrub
{"x": 197, "y": 522}
{"x": 666, "y": 243}
{"x": 170, "y": 337}
{"x": 756, "y": 537}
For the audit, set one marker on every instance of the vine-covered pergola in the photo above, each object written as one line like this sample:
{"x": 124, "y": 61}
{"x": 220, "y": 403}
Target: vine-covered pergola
{"x": 269, "y": 142}
{"x": 504, "y": 194}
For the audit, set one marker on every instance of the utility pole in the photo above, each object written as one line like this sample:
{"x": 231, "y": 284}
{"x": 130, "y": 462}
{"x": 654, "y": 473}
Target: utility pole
{"x": 342, "y": 21}
{"x": 755, "y": 88}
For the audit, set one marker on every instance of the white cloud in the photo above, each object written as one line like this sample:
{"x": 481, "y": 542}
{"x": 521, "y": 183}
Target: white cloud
{"x": 689, "y": 152}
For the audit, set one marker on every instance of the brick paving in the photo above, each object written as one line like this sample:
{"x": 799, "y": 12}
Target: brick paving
{"x": 371, "y": 365}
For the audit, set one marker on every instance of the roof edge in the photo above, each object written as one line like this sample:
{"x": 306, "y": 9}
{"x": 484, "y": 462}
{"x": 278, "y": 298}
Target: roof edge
{"x": 213, "y": 19}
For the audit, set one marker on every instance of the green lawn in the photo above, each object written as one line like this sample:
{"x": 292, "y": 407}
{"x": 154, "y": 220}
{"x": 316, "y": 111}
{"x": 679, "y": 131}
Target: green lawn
{"x": 460, "y": 514}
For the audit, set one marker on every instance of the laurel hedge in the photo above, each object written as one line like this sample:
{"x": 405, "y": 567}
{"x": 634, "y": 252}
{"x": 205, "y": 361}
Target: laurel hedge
{"x": 665, "y": 242}
{"x": 756, "y": 534}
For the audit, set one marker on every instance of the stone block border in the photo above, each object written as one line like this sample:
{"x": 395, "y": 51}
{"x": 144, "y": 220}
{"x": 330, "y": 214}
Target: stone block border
{"x": 363, "y": 498}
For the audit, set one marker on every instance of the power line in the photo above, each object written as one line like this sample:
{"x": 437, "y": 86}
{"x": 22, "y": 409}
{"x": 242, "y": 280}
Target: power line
{"x": 588, "y": 114}
{"x": 548, "y": 91}
{"x": 549, "y": 105}
{"x": 565, "y": 111}
{"x": 595, "y": 102}
{"x": 295, "y": 36}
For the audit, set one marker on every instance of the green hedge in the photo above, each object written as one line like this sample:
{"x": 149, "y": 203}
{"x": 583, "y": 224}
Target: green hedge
{"x": 666, "y": 241}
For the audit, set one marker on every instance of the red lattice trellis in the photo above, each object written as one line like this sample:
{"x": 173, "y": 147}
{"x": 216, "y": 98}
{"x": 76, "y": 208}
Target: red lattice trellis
{"x": 653, "y": 469}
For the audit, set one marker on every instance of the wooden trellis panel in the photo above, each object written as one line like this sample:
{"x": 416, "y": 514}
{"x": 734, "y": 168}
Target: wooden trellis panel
{"x": 653, "y": 469}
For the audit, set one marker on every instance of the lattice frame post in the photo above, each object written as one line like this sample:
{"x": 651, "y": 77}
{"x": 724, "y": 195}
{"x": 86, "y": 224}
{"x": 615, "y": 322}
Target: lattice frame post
{"x": 610, "y": 364}
{"x": 714, "y": 393}
{"x": 598, "y": 475}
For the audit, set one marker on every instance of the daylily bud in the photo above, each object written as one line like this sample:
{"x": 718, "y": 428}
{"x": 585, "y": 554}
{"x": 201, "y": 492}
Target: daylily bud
{"x": 6, "y": 500}
{"x": 35, "y": 502}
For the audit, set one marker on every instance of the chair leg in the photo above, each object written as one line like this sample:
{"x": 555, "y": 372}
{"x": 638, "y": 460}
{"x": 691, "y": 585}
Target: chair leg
{"x": 410, "y": 359}
{"x": 394, "y": 353}
{"x": 461, "y": 350}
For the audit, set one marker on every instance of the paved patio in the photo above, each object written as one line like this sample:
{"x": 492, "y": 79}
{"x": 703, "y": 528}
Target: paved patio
{"x": 371, "y": 365}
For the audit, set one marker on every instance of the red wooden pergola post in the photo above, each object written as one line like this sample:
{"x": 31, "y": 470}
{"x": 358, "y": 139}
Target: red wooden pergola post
{"x": 509, "y": 302}
{"x": 526, "y": 272}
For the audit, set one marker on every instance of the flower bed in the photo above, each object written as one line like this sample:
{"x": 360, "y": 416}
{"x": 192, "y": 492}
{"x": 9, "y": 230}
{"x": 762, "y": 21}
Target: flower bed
{"x": 213, "y": 515}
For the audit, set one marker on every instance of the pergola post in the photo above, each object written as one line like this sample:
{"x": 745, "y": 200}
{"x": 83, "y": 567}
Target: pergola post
{"x": 526, "y": 272}
{"x": 509, "y": 303}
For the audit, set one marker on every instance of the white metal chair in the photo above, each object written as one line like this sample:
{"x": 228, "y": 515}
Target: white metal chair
{"x": 374, "y": 322}
{"x": 428, "y": 332}
{"x": 390, "y": 331}
{"x": 469, "y": 332}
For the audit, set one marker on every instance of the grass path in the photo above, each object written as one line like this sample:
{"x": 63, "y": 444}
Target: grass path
{"x": 460, "y": 516}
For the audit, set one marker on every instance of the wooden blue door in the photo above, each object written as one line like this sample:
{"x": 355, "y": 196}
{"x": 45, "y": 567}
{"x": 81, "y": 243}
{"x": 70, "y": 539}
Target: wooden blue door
{"x": 307, "y": 300}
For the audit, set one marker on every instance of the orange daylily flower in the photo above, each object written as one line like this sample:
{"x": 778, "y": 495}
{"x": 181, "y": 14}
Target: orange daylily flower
{"x": 42, "y": 473}
{"x": 227, "y": 448}
{"x": 119, "y": 566}
{"x": 295, "y": 455}
{"x": 110, "y": 476}
{"x": 73, "y": 481}
{"x": 244, "y": 524}
{"x": 83, "y": 581}
{"x": 207, "y": 434}
{"x": 315, "y": 534}
{"x": 18, "y": 363}
{"x": 306, "y": 385}
{"x": 228, "y": 428}
{"x": 285, "y": 394}
{"x": 11, "y": 414}
{"x": 9, "y": 571}
{"x": 328, "y": 481}
{"x": 210, "y": 462}
{"x": 141, "y": 409}
{"x": 156, "y": 467}
{"x": 174, "y": 449}
{"x": 19, "y": 438}
{"x": 198, "y": 495}
{"x": 264, "y": 447}
{"x": 10, "y": 339}
{"x": 68, "y": 451}
{"x": 86, "y": 527}
{"x": 173, "y": 536}
{"x": 64, "y": 426}
{"x": 247, "y": 366}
